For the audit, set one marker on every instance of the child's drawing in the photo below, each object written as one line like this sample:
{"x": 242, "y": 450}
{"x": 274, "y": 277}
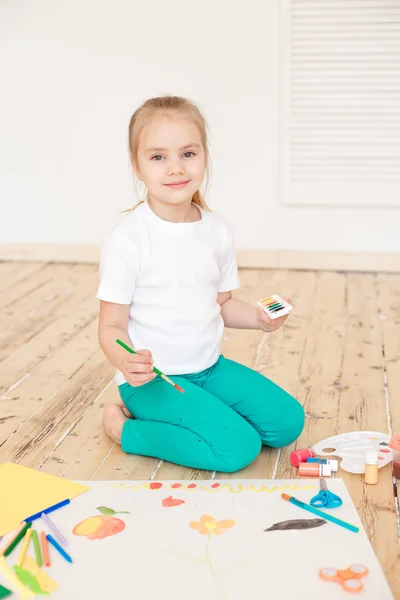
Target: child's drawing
{"x": 109, "y": 511}
{"x": 98, "y": 528}
{"x": 210, "y": 527}
{"x": 170, "y": 501}
{"x": 208, "y": 540}
{"x": 296, "y": 524}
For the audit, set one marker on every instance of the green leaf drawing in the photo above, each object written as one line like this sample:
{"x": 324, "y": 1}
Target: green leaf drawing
{"x": 109, "y": 511}
{"x": 105, "y": 511}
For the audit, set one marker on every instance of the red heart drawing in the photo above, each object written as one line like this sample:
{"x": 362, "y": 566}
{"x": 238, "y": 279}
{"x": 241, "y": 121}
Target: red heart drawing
{"x": 170, "y": 501}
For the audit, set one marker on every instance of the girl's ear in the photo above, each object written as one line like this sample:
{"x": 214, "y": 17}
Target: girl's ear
{"x": 136, "y": 169}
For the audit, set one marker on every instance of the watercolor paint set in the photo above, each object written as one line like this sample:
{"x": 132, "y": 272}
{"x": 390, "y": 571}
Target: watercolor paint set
{"x": 275, "y": 306}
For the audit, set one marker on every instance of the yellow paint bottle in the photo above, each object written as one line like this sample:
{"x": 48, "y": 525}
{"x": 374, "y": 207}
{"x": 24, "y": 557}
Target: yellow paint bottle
{"x": 371, "y": 468}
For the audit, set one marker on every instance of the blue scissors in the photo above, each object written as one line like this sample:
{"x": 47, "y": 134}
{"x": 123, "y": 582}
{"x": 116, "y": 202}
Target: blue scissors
{"x": 325, "y": 498}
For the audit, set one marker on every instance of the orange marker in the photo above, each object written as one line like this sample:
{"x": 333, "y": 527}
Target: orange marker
{"x": 45, "y": 547}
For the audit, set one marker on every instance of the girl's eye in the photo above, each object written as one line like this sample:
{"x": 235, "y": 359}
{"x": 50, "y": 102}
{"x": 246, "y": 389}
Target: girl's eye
{"x": 158, "y": 157}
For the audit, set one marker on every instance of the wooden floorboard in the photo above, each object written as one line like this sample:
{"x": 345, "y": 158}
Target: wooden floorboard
{"x": 339, "y": 354}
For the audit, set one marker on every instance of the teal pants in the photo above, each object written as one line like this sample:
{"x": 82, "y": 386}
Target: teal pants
{"x": 219, "y": 424}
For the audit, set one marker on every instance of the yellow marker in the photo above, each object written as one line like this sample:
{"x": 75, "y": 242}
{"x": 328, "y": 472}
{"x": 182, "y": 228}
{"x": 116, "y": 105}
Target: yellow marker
{"x": 27, "y": 539}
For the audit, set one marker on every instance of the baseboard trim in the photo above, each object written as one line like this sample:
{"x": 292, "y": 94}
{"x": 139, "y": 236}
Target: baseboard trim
{"x": 38, "y": 252}
{"x": 251, "y": 259}
{"x": 319, "y": 261}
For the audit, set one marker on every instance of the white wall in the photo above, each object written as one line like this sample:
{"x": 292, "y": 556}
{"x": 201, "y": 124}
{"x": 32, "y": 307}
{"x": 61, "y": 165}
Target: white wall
{"x": 72, "y": 73}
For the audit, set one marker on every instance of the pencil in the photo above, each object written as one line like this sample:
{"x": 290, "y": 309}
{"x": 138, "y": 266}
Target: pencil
{"x": 165, "y": 377}
{"x": 45, "y": 548}
{"x": 37, "y": 548}
{"x": 321, "y": 513}
{"x": 58, "y": 547}
{"x": 25, "y": 547}
{"x": 17, "y": 539}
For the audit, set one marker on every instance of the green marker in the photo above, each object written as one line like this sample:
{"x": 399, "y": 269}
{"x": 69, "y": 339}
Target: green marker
{"x": 37, "y": 548}
{"x": 17, "y": 539}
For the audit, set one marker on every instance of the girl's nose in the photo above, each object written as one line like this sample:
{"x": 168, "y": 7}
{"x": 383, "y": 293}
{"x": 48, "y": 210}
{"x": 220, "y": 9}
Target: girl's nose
{"x": 176, "y": 167}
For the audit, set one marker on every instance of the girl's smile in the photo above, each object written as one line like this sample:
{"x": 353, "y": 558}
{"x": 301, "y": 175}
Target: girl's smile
{"x": 177, "y": 185}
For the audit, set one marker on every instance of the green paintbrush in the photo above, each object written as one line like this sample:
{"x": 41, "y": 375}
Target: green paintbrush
{"x": 167, "y": 379}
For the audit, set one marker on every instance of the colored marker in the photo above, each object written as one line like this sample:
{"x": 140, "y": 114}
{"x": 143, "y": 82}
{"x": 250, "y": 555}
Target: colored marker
{"x": 45, "y": 548}
{"x": 167, "y": 379}
{"x": 321, "y": 513}
{"x": 36, "y": 545}
{"x": 7, "y": 544}
{"x": 58, "y": 547}
{"x": 17, "y": 539}
{"x": 24, "y": 547}
{"x": 48, "y": 510}
{"x": 54, "y": 529}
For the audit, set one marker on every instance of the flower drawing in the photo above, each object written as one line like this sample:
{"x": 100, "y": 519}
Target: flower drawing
{"x": 208, "y": 525}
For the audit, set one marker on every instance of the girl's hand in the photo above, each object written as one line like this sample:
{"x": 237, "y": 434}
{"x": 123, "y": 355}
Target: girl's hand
{"x": 138, "y": 368}
{"x": 268, "y": 325}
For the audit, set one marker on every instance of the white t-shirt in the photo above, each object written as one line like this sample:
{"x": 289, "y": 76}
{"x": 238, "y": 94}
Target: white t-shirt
{"x": 170, "y": 274}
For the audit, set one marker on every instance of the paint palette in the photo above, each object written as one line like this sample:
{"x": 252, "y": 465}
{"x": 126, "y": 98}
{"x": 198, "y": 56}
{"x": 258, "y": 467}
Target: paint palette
{"x": 275, "y": 306}
{"x": 352, "y": 449}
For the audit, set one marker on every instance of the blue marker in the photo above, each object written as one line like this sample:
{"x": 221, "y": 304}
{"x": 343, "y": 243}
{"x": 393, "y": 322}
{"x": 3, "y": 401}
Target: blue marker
{"x": 47, "y": 510}
{"x": 320, "y": 461}
{"x": 58, "y": 547}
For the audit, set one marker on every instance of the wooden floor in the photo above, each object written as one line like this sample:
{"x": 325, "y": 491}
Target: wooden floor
{"x": 339, "y": 354}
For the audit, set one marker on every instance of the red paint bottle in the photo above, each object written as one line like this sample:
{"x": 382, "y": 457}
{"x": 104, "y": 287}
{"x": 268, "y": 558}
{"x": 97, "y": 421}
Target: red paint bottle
{"x": 394, "y": 444}
{"x": 298, "y": 456}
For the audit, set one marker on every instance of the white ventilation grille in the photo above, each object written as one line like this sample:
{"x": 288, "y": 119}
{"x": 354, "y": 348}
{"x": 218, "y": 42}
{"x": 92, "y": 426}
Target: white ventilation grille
{"x": 340, "y": 102}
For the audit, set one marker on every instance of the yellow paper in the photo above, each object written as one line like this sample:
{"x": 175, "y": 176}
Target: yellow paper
{"x": 46, "y": 583}
{"x": 25, "y": 492}
{"x": 25, "y": 593}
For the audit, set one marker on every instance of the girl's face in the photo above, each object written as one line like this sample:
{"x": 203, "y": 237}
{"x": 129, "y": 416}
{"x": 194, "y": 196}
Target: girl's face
{"x": 171, "y": 160}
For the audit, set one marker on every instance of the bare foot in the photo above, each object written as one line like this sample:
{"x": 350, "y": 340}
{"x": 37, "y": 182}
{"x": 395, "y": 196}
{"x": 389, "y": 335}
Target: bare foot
{"x": 126, "y": 411}
{"x": 113, "y": 421}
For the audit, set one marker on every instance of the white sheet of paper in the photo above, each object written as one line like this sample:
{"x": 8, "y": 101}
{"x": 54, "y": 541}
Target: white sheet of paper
{"x": 158, "y": 555}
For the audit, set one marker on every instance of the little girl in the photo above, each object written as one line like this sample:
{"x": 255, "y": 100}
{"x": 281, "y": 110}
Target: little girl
{"x": 166, "y": 278}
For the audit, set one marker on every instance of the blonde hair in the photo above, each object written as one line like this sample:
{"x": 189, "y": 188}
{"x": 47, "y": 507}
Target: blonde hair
{"x": 168, "y": 106}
